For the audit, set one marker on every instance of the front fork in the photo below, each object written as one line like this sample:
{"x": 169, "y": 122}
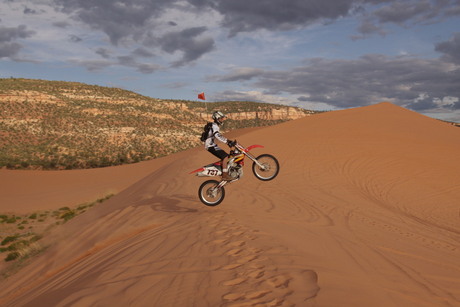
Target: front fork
{"x": 255, "y": 160}
{"x": 250, "y": 156}
{"x": 224, "y": 182}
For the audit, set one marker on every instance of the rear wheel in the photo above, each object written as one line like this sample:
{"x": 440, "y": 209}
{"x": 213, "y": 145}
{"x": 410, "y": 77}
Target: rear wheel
{"x": 210, "y": 194}
{"x": 269, "y": 168}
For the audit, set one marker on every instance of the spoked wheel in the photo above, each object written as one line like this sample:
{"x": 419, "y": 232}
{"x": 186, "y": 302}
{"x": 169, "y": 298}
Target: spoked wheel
{"x": 269, "y": 169}
{"x": 210, "y": 194}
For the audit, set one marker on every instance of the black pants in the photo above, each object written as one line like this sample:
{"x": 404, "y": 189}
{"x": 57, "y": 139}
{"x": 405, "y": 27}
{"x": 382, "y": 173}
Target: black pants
{"x": 218, "y": 152}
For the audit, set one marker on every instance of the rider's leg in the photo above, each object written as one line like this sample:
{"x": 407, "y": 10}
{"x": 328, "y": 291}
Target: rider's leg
{"x": 223, "y": 156}
{"x": 225, "y": 175}
{"x": 224, "y": 164}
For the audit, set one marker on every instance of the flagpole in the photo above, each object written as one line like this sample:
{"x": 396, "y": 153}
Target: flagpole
{"x": 206, "y": 105}
{"x": 201, "y": 96}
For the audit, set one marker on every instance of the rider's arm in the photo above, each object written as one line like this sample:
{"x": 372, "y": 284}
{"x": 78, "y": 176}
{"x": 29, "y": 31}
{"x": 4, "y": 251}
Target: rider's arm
{"x": 220, "y": 137}
{"x": 217, "y": 134}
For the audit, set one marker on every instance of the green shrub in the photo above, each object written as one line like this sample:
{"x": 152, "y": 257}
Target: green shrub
{"x": 12, "y": 256}
{"x": 9, "y": 239}
{"x": 11, "y": 220}
{"x": 68, "y": 215}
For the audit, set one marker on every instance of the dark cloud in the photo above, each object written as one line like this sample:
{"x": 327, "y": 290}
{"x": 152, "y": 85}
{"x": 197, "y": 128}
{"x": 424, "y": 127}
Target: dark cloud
{"x": 142, "y": 52}
{"x": 127, "y": 60}
{"x": 230, "y": 95}
{"x": 423, "y": 104}
{"x": 118, "y": 19}
{"x": 402, "y": 13}
{"x": 247, "y": 16}
{"x": 239, "y": 74}
{"x": 93, "y": 65}
{"x": 451, "y": 49}
{"x": 453, "y": 11}
{"x": 75, "y": 39}
{"x": 137, "y": 20}
{"x": 280, "y": 15}
{"x": 456, "y": 105}
{"x": 133, "y": 18}
{"x": 368, "y": 28}
{"x": 29, "y": 11}
{"x": 189, "y": 42}
{"x": 61, "y": 24}
{"x": 303, "y": 98}
{"x": 175, "y": 85}
{"x": 369, "y": 79}
{"x": 8, "y": 50}
{"x": 103, "y": 52}
{"x": 8, "y": 47}
{"x": 130, "y": 61}
{"x": 147, "y": 68}
{"x": 10, "y": 34}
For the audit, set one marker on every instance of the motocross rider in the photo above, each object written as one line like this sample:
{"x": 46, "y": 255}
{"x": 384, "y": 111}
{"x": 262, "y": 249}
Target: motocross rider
{"x": 213, "y": 148}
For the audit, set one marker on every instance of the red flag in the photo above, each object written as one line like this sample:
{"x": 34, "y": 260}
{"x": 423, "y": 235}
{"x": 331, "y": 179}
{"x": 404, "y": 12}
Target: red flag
{"x": 201, "y": 96}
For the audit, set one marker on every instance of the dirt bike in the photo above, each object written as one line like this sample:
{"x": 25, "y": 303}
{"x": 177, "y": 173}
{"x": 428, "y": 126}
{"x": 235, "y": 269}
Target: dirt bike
{"x": 211, "y": 192}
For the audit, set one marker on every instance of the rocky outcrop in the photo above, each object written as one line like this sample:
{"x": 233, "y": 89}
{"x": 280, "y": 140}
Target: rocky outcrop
{"x": 278, "y": 113}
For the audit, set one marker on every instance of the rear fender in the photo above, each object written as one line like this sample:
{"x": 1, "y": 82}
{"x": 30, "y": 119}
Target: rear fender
{"x": 210, "y": 170}
{"x": 197, "y": 170}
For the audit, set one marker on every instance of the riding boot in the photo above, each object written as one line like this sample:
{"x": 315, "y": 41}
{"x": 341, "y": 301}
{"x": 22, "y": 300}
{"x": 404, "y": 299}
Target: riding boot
{"x": 226, "y": 176}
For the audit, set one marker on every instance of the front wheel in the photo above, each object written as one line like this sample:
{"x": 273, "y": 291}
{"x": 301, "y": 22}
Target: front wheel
{"x": 210, "y": 194}
{"x": 269, "y": 168}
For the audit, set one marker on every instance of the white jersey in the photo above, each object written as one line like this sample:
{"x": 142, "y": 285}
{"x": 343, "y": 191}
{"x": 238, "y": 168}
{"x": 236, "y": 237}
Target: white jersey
{"x": 214, "y": 133}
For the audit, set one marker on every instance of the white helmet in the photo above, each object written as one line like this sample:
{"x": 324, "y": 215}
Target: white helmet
{"x": 217, "y": 114}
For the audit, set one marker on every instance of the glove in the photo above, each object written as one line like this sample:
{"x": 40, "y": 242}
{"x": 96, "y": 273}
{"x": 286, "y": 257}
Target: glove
{"x": 231, "y": 143}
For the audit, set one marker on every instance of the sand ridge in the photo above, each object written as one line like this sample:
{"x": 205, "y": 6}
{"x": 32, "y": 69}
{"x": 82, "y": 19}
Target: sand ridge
{"x": 364, "y": 212}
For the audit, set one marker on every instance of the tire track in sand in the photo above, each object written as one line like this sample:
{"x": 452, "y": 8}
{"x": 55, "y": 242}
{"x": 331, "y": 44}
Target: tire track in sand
{"x": 262, "y": 272}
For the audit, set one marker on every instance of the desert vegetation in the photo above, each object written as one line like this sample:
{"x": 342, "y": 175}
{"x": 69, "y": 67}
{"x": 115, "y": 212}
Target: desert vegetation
{"x": 20, "y": 233}
{"x": 69, "y": 125}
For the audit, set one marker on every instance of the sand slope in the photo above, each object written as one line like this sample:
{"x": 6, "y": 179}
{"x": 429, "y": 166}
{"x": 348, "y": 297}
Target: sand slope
{"x": 24, "y": 191}
{"x": 365, "y": 212}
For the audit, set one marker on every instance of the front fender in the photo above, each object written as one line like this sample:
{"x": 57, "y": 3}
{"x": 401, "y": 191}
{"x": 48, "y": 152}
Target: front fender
{"x": 253, "y": 146}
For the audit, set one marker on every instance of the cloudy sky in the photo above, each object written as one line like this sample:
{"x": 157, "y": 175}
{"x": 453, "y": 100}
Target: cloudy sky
{"x": 317, "y": 54}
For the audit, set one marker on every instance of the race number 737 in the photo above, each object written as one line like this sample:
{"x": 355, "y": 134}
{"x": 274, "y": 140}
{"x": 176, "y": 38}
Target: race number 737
{"x": 212, "y": 172}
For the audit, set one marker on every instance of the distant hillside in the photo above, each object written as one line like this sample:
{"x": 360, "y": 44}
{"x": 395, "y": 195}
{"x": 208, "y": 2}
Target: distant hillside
{"x": 67, "y": 125}
{"x": 452, "y": 123}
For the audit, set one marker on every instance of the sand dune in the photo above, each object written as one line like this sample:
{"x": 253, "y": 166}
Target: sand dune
{"x": 365, "y": 212}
